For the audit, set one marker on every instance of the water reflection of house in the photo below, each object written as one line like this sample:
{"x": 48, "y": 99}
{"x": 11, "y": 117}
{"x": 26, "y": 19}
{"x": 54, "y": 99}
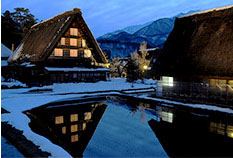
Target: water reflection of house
{"x": 189, "y": 135}
{"x": 200, "y": 50}
{"x": 71, "y": 127}
{"x": 61, "y": 42}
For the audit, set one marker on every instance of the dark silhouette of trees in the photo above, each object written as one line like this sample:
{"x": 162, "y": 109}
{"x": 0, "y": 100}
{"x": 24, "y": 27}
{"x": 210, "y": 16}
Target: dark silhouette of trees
{"x": 15, "y": 25}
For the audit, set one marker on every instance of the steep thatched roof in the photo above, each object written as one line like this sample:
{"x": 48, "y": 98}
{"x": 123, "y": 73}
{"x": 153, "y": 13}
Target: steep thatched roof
{"x": 42, "y": 38}
{"x": 200, "y": 44}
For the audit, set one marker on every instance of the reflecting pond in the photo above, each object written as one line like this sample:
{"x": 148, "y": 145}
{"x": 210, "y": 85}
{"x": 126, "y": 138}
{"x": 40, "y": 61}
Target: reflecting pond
{"x": 114, "y": 126}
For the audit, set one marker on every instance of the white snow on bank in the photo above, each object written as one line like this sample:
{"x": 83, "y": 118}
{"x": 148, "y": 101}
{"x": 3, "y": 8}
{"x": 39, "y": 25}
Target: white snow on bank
{"x": 74, "y": 69}
{"x": 200, "y": 106}
{"x": 13, "y": 83}
{"x": 18, "y": 120}
{"x": 18, "y": 100}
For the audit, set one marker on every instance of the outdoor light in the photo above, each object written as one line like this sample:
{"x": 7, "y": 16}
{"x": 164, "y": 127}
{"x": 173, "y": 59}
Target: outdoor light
{"x": 145, "y": 67}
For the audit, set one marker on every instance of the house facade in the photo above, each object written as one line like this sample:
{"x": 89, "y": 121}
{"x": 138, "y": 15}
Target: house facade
{"x": 196, "y": 61}
{"x": 58, "y": 44}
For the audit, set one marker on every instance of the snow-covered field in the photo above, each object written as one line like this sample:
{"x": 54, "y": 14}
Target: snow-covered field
{"x": 18, "y": 100}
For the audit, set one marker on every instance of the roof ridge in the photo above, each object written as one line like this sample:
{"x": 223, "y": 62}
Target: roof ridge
{"x": 72, "y": 11}
{"x": 208, "y": 10}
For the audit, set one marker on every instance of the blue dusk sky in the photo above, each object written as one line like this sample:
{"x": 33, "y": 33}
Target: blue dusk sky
{"x": 104, "y": 16}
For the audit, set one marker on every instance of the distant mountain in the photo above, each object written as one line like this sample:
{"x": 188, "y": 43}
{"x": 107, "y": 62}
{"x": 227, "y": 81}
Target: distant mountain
{"x": 123, "y": 42}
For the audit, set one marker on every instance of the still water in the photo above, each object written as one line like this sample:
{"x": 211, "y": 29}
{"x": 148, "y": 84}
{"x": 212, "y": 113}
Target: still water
{"x": 113, "y": 126}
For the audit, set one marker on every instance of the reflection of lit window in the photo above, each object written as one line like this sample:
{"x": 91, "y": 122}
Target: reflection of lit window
{"x": 74, "y": 138}
{"x": 73, "y": 53}
{"x": 221, "y": 129}
{"x": 63, "y": 130}
{"x": 73, "y": 128}
{"x": 63, "y": 41}
{"x": 87, "y": 115}
{"x": 73, "y": 42}
{"x": 167, "y": 81}
{"x": 167, "y": 116}
{"x": 73, "y": 117}
{"x": 84, "y": 126}
{"x": 230, "y": 131}
{"x": 87, "y": 53}
{"x": 58, "y": 52}
{"x": 59, "y": 120}
{"x": 74, "y": 31}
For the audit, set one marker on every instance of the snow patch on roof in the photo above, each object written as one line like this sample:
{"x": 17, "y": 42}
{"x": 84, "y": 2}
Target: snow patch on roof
{"x": 209, "y": 10}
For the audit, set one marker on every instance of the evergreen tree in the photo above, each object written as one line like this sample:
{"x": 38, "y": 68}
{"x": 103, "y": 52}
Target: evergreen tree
{"x": 15, "y": 25}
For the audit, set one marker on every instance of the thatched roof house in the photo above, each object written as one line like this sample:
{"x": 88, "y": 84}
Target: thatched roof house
{"x": 201, "y": 44}
{"x": 63, "y": 37}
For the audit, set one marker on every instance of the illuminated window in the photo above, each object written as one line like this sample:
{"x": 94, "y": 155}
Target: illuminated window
{"x": 84, "y": 126}
{"x": 167, "y": 81}
{"x": 58, "y": 52}
{"x": 63, "y": 41}
{"x": 84, "y": 43}
{"x": 73, "y": 42}
{"x": 73, "y": 128}
{"x": 79, "y": 42}
{"x": 59, "y": 120}
{"x": 74, "y": 138}
{"x": 73, "y": 117}
{"x": 74, "y": 31}
{"x": 63, "y": 130}
{"x": 87, "y": 115}
{"x": 87, "y": 53}
{"x": 73, "y": 53}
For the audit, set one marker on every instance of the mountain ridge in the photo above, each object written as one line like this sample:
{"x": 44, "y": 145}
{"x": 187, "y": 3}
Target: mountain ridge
{"x": 127, "y": 40}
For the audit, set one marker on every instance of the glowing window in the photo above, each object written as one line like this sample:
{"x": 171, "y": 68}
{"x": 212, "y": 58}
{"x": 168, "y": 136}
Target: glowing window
{"x": 73, "y": 117}
{"x": 87, "y": 53}
{"x": 58, "y": 52}
{"x": 74, "y": 138}
{"x": 63, "y": 41}
{"x": 63, "y": 130}
{"x": 59, "y": 120}
{"x": 87, "y": 115}
{"x": 79, "y": 42}
{"x": 73, "y": 53}
{"x": 74, "y": 31}
{"x": 167, "y": 81}
{"x": 84, "y": 43}
{"x": 73, "y": 128}
{"x": 73, "y": 42}
{"x": 84, "y": 126}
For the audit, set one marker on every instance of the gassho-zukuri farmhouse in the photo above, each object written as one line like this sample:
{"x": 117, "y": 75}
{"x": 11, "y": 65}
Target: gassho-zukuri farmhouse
{"x": 60, "y": 49}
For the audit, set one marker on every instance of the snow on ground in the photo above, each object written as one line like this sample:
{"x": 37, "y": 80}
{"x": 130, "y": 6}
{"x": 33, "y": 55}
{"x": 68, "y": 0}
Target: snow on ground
{"x": 20, "y": 121}
{"x": 200, "y": 106}
{"x": 18, "y": 100}
{"x": 13, "y": 83}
